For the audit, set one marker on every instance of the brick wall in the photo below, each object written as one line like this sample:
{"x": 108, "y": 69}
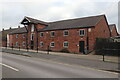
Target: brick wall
{"x": 101, "y": 30}
{"x": 20, "y": 40}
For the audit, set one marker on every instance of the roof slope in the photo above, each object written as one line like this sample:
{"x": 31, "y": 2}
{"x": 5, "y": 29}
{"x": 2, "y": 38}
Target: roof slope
{"x": 19, "y": 30}
{"x": 32, "y": 20}
{"x": 73, "y": 23}
{"x": 85, "y": 22}
{"x": 5, "y": 32}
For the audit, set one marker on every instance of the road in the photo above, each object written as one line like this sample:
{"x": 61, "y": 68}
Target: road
{"x": 17, "y": 66}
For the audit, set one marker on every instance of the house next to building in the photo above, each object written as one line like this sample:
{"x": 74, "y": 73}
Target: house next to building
{"x": 75, "y": 35}
{"x": 4, "y": 35}
{"x": 113, "y": 30}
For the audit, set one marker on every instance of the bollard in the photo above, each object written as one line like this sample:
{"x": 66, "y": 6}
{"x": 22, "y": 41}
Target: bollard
{"x": 19, "y": 47}
{"x": 6, "y": 45}
{"x": 48, "y": 50}
{"x": 37, "y": 49}
{"x": 103, "y": 57}
{"x": 12, "y": 46}
{"x": 27, "y": 47}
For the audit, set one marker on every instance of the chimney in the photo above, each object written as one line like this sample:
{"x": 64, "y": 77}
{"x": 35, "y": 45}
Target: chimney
{"x": 10, "y": 28}
{"x": 18, "y": 26}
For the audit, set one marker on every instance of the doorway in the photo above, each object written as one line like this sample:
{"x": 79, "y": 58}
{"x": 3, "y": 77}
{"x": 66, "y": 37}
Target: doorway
{"x": 81, "y": 46}
{"x": 32, "y": 44}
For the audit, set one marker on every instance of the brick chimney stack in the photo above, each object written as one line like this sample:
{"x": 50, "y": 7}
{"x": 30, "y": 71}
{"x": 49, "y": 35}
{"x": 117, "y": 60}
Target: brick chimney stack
{"x": 10, "y": 28}
{"x": 18, "y": 26}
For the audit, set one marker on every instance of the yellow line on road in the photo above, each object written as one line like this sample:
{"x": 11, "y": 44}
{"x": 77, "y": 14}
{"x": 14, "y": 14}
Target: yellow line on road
{"x": 9, "y": 67}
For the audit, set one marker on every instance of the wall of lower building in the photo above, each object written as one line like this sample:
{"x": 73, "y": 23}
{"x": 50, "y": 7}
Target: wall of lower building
{"x": 4, "y": 43}
{"x": 20, "y": 40}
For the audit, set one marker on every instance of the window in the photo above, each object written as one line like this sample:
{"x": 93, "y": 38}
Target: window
{"x": 41, "y": 34}
{"x": 82, "y": 32}
{"x": 23, "y": 43}
{"x": 66, "y": 33}
{"x": 32, "y": 28}
{"x": 65, "y": 44}
{"x": 16, "y": 44}
{"x": 23, "y": 35}
{"x": 52, "y": 34}
{"x": 41, "y": 44}
{"x": 16, "y": 35}
{"x": 52, "y": 44}
{"x": 32, "y": 36}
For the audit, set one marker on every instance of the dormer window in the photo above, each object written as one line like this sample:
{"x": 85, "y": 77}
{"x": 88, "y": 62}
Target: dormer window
{"x": 32, "y": 28}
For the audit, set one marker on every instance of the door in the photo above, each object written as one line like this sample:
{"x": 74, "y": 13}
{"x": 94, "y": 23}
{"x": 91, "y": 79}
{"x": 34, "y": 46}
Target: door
{"x": 32, "y": 44}
{"x": 81, "y": 46}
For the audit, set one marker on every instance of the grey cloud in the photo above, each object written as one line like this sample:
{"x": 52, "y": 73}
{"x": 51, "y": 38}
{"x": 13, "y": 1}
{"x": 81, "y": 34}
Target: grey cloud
{"x": 54, "y": 10}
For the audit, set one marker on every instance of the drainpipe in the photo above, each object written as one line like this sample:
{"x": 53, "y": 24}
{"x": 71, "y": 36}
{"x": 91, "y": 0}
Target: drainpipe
{"x": 37, "y": 39}
{"x": 87, "y": 42}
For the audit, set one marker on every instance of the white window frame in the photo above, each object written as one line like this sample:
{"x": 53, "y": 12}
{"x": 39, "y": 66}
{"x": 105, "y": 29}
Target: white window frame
{"x": 41, "y": 33}
{"x": 23, "y": 35}
{"x": 64, "y": 44}
{"x": 51, "y": 34}
{"x": 32, "y": 28}
{"x": 31, "y": 36}
{"x": 41, "y": 43}
{"x": 82, "y": 30}
{"x": 51, "y": 44}
{"x": 16, "y": 35}
{"x": 64, "y": 33}
{"x": 23, "y": 43}
{"x": 16, "y": 43}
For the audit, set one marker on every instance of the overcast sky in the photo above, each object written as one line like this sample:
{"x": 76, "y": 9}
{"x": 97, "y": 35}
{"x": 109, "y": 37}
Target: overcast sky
{"x": 13, "y": 11}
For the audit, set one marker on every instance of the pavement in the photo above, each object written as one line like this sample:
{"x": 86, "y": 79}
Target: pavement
{"x": 17, "y": 66}
{"x": 92, "y": 61}
{"x": 81, "y": 56}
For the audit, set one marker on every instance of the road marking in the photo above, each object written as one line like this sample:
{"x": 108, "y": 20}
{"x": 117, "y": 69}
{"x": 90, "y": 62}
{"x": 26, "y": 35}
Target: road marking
{"x": 9, "y": 67}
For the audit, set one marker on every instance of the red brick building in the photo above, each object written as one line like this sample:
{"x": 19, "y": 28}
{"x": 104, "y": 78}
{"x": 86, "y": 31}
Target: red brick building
{"x": 113, "y": 30}
{"x": 4, "y": 36}
{"x": 75, "y": 35}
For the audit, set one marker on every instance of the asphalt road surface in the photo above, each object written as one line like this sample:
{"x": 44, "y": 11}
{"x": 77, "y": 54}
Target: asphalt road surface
{"x": 17, "y": 66}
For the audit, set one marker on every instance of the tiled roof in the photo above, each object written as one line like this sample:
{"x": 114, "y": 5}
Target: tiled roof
{"x": 64, "y": 24}
{"x": 5, "y": 32}
{"x": 73, "y": 23}
{"x": 19, "y": 30}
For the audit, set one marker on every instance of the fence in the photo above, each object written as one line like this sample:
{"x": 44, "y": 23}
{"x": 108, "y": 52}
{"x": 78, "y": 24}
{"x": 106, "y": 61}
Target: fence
{"x": 25, "y": 47}
{"x": 106, "y": 47}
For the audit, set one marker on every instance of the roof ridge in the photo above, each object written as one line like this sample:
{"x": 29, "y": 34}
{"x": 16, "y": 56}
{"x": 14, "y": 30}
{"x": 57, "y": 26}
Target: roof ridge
{"x": 77, "y": 18}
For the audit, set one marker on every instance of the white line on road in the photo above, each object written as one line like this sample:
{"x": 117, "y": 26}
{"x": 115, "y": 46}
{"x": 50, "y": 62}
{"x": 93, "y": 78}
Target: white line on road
{"x": 9, "y": 67}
